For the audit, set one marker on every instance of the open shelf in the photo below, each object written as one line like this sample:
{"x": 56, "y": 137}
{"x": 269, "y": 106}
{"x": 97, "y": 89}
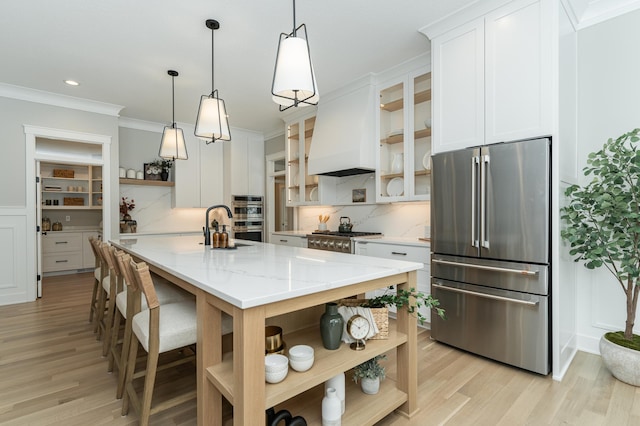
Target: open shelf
{"x": 125, "y": 181}
{"x": 326, "y": 365}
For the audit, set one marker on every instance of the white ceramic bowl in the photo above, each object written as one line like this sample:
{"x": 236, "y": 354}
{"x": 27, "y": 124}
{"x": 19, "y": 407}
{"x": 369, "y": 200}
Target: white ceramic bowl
{"x": 275, "y": 363}
{"x": 276, "y": 377}
{"x": 301, "y": 365}
{"x": 300, "y": 353}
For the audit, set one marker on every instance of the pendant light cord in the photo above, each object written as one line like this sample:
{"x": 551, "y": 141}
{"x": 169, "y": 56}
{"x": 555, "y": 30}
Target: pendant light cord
{"x": 173, "y": 101}
{"x": 294, "y": 18}
{"x": 212, "y": 54}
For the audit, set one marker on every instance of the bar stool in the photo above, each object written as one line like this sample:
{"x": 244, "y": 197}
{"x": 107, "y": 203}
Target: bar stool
{"x": 159, "y": 329}
{"x": 167, "y": 293}
{"x": 98, "y": 275}
{"x": 103, "y": 293}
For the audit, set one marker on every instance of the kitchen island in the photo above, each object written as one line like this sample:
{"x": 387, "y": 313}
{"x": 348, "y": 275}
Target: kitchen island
{"x": 258, "y": 281}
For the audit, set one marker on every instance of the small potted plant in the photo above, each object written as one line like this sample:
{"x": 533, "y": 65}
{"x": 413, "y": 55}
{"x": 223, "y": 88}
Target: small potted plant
{"x": 603, "y": 229}
{"x": 411, "y": 299}
{"x": 370, "y": 373}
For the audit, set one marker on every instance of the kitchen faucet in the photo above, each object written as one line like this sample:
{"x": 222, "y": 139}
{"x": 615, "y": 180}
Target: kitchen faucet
{"x": 206, "y": 230}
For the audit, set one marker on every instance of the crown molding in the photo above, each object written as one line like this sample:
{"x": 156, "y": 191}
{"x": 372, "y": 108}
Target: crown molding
{"x": 55, "y": 99}
{"x": 136, "y": 124}
{"x": 585, "y": 13}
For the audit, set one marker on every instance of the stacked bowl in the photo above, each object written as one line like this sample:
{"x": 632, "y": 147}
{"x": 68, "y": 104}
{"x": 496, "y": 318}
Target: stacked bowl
{"x": 301, "y": 357}
{"x": 276, "y": 367}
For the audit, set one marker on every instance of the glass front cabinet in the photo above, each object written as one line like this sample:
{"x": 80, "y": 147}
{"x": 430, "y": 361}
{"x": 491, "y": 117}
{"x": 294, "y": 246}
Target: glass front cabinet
{"x": 403, "y": 171}
{"x": 302, "y": 189}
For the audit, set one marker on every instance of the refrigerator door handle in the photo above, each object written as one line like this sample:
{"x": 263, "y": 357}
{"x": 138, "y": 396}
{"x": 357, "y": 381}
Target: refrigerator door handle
{"x": 483, "y": 201}
{"x": 487, "y": 268}
{"x": 475, "y": 161}
{"x": 485, "y": 295}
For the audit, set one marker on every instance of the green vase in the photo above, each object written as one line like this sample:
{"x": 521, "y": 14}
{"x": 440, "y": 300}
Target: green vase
{"x": 331, "y": 325}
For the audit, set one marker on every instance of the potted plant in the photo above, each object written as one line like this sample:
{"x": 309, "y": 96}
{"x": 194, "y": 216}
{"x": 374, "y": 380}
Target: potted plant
{"x": 370, "y": 373}
{"x": 603, "y": 229}
{"x": 411, "y": 299}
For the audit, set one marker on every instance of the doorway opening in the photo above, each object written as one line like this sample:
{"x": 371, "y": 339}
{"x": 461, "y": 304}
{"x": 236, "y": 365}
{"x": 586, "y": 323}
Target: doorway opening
{"x": 87, "y": 158}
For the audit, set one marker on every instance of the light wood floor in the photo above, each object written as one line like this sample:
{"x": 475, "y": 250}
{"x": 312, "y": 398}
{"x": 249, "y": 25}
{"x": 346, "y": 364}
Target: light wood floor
{"x": 52, "y": 373}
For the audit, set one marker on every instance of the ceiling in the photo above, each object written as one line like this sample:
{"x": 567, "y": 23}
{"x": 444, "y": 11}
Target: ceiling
{"x": 120, "y": 50}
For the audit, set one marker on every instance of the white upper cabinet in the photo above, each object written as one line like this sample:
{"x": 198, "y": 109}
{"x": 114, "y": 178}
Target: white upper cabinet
{"x": 404, "y": 134}
{"x": 199, "y": 180}
{"x": 458, "y": 88}
{"x": 518, "y": 72}
{"x": 492, "y": 78}
{"x": 244, "y": 164}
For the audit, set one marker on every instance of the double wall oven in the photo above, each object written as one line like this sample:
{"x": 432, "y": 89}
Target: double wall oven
{"x": 248, "y": 217}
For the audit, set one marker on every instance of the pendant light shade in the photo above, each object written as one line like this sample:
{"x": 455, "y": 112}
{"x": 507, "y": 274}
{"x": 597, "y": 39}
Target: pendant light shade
{"x": 294, "y": 81}
{"x": 212, "y": 123}
{"x": 173, "y": 145}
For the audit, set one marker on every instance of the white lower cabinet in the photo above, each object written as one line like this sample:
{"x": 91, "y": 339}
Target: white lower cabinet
{"x": 418, "y": 252}
{"x": 67, "y": 251}
{"x": 61, "y": 251}
{"x": 288, "y": 240}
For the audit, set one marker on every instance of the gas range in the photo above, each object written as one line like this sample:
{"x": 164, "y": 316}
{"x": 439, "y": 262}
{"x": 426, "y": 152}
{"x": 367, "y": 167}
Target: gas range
{"x": 336, "y": 241}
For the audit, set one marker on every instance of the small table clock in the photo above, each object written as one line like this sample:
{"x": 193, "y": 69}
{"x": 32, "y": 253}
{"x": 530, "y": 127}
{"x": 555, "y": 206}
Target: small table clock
{"x": 358, "y": 328}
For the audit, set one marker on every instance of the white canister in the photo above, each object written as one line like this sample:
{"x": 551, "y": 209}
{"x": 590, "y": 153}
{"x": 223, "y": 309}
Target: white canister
{"x": 337, "y": 383}
{"x": 131, "y": 174}
{"x": 139, "y": 175}
{"x": 122, "y": 172}
{"x": 331, "y": 409}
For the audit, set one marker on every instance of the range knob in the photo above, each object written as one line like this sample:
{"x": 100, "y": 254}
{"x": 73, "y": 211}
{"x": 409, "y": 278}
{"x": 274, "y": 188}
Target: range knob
{"x": 331, "y": 244}
{"x": 346, "y": 246}
{"x": 338, "y": 245}
{"x": 325, "y": 244}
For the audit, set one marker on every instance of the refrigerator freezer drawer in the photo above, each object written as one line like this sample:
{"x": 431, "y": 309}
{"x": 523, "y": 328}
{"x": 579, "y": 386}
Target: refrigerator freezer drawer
{"x": 506, "y": 326}
{"x": 520, "y": 277}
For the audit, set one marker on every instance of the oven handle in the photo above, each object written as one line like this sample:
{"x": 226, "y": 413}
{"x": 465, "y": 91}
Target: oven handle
{"x": 487, "y": 268}
{"x": 485, "y": 295}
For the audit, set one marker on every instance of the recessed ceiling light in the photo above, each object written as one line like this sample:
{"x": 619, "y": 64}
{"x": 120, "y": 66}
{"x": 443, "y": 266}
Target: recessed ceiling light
{"x": 72, "y": 83}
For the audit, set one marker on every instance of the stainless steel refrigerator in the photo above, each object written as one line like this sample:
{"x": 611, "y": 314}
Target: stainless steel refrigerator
{"x": 490, "y": 259}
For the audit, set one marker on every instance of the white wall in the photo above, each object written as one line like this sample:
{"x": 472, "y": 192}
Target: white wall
{"x": 17, "y": 220}
{"x": 608, "y": 106}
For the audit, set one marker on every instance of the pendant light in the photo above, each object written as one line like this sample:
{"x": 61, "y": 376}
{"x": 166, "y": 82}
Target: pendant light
{"x": 173, "y": 146}
{"x": 294, "y": 81}
{"x": 212, "y": 123}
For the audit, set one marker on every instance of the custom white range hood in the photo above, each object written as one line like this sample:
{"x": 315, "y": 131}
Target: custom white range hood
{"x": 343, "y": 137}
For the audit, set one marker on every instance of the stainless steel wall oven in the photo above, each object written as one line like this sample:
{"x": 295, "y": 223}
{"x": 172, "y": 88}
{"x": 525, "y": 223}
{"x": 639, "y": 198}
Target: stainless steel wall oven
{"x": 248, "y": 217}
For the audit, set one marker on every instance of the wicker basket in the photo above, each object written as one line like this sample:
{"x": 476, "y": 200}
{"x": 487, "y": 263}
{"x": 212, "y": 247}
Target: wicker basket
{"x": 380, "y": 316}
{"x": 63, "y": 173}
{"x": 73, "y": 201}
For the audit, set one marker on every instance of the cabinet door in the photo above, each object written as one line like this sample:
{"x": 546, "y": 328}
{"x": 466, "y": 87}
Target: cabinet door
{"x": 518, "y": 69}
{"x": 393, "y": 132}
{"x": 245, "y": 154}
{"x": 458, "y": 88}
{"x": 211, "y": 174}
{"x": 186, "y": 192}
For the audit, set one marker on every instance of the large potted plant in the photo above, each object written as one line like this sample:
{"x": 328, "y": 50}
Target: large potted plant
{"x": 603, "y": 229}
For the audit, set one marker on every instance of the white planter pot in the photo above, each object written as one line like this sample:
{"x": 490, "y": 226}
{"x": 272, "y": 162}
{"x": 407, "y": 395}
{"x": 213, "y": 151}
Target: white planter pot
{"x": 370, "y": 386}
{"x": 624, "y": 363}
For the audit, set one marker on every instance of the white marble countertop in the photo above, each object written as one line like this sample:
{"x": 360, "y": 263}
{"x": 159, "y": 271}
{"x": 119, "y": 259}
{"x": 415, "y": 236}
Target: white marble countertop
{"x": 259, "y": 273}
